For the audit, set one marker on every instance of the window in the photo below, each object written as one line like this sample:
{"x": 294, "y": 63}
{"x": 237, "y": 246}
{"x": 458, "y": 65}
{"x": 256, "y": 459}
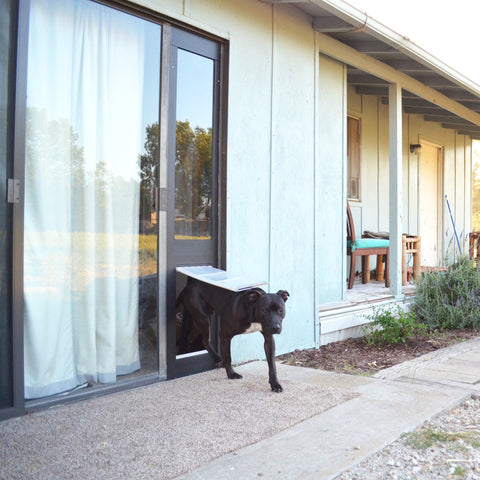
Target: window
{"x": 353, "y": 157}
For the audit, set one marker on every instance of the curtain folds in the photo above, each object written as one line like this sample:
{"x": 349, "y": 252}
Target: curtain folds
{"x": 85, "y": 114}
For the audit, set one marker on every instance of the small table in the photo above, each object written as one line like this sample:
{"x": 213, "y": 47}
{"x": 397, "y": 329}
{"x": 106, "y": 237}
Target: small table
{"x": 411, "y": 244}
{"x": 474, "y": 249}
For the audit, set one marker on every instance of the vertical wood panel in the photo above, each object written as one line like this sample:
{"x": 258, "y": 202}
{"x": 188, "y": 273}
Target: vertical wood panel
{"x": 330, "y": 173}
{"x": 383, "y": 168}
{"x": 412, "y": 212}
{"x": 279, "y": 192}
{"x": 468, "y": 189}
{"x": 249, "y": 136}
{"x": 461, "y": 189}
{"x": 370, "y": 168}
{"x": 449, "y": 182}
{"x": 405, "y": 174}
{"x": 292, "y": 175}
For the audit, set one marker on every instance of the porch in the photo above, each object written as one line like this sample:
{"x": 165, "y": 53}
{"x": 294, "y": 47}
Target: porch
{"x": 347, "y": 318}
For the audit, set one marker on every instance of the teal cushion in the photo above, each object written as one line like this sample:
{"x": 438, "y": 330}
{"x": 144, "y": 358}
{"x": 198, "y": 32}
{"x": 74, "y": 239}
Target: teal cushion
{"x": 368, "y": 243}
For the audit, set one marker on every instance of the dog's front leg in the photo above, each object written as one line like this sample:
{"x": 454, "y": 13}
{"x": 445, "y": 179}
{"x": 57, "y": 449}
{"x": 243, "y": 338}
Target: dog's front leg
{"x": 272, "y": 369}
{"x": 227, "y": 358}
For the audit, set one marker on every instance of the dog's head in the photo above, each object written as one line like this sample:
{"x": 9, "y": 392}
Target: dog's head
{"x": 269, "y": 309}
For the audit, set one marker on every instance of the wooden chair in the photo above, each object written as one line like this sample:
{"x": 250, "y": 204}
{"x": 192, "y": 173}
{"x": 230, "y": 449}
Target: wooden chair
{"x": 365, "y": 247}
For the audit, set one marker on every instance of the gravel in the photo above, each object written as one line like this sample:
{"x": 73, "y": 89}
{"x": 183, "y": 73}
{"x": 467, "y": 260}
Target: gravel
{"x": 155, "y": 432}
{"x": 446, "y": 447}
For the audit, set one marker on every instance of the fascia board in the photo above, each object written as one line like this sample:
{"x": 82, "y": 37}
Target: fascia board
{"x": 364, "y": 23}
{"x": 343, "y": 53}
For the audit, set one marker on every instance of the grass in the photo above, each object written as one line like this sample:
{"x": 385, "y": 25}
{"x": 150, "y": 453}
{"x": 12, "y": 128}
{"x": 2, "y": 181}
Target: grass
{"x": 190, "y": 237}
{"x": 427, "y": 437}
{"x": 459, "y": 471}
{"x": 81, "y": 257}
{"x": 353, "y": 370}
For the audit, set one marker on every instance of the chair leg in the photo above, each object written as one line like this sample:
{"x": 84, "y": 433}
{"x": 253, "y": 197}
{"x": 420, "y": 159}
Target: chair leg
{"x": 365, "y": 269}
{"x": 353, "y": 259}
{"x": 380, "y": 274}
{"x": 387, "y": 269}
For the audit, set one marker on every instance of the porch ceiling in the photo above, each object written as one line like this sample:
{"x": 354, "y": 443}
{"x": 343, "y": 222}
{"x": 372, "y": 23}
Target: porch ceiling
{"x": 362, "y": 33}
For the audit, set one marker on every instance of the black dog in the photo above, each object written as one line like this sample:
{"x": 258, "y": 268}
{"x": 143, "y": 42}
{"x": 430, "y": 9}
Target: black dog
{"x": 240, "y": 312}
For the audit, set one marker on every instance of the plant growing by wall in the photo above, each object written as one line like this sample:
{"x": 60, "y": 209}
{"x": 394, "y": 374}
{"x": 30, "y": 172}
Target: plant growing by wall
{"x": 391, "y": 325}
{"x": 450, "y": 299}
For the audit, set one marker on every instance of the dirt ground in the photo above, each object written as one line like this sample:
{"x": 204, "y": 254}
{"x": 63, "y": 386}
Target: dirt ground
{"x": 356, "y": 356}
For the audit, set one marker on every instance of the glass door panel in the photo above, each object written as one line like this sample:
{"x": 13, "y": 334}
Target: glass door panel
{"x": 193, "y": 155}
{"x": 91, "y": 236}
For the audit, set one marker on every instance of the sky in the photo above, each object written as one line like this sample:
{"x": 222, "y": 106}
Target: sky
{"x": 447, "y": 29}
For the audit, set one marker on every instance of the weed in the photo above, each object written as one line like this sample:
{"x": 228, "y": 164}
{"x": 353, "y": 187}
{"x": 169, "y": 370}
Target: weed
{"x": 352, "y": 369}
{"x": 426, "y": 437}
{"x": 390, "y": 325}
{"x": 459, "y": 471}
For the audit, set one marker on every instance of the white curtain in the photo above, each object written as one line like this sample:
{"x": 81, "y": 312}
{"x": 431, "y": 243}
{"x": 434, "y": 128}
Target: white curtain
{"x": 86, "y": 65}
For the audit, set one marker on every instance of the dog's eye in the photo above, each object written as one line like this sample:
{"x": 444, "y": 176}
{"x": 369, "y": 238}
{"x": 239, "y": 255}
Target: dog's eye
{"x": 280, "y": 311}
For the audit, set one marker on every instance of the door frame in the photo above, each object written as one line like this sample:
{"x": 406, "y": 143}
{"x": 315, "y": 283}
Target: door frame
{"x": 199, "y": 44}
{"x": 440, "y": 195}
{"x": 15, "y": 70}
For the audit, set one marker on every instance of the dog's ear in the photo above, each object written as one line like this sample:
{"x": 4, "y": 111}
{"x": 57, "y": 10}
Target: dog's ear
{"x": 284, "y": 294}
{"x": 253, "y": 296}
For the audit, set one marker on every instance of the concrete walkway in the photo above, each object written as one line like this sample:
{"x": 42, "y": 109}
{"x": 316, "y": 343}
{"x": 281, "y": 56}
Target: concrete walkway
{"x": 397, "y": 400}
{"x": 322, "y": 424}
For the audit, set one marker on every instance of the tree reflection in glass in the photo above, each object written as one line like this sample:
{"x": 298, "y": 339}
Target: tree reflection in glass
{"x": 193, "y": 152}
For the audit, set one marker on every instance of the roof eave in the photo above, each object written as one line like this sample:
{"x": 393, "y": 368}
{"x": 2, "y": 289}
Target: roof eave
{"x": 362, "y": 22}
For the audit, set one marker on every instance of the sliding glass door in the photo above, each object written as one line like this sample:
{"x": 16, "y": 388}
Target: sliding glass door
{"x": 90, "y": 229}
{"x": 121, "y": 185}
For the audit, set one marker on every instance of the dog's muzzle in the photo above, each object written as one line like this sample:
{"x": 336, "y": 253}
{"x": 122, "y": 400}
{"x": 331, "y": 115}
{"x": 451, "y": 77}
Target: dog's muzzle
{"x": 276, "y": 329}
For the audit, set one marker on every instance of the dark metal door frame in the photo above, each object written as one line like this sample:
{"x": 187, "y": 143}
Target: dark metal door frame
{"x": 188, "y": 252}
{"x": 17, "y": 23}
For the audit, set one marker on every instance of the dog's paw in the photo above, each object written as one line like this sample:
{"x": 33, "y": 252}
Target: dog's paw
{"x": 276, "y": 387}
{"x": 234, "y": 376}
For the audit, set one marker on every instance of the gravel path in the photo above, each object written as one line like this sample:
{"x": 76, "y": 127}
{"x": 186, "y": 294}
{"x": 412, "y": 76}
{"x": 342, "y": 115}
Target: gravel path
{"x": 446, "y": 447}
{"x": 155, "y": 432}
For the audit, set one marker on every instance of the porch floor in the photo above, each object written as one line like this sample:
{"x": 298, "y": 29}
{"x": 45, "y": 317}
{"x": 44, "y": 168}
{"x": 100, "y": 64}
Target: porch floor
{"x": 348, "y": 317}
{"x": 362, "y": 293}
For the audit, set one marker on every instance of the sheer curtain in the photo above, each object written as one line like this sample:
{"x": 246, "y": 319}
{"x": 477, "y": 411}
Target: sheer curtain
{"x": 85, "y": 95}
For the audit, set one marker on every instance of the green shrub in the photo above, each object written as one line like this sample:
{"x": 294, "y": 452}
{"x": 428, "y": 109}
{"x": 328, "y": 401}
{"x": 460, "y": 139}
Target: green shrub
{"x": 391, "y": 325}
{"x": 450, "y": 299}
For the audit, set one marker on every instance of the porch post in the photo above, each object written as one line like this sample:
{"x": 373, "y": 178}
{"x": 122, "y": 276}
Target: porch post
{"x": 395, "y": 191}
